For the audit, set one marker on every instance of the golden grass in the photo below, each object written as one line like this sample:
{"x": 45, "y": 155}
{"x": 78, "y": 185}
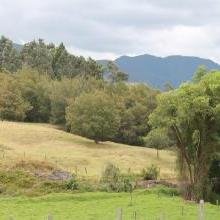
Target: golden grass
{"x": 71, "y": 152}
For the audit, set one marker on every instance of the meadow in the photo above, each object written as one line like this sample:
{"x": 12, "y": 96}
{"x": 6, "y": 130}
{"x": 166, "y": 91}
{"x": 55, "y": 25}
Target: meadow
{"x": 44, "y": 145}
{"x": 146, "y": 204}
{"x": 44, "y": 142}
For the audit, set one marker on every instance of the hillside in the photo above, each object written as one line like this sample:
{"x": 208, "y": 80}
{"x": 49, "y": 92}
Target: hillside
{"x": 24, "y": 141}
{"x": 158, "y": 70}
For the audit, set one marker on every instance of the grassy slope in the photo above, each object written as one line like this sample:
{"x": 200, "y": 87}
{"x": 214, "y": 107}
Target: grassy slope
{"x": 103, "y": 206}
{"x": 46, "y": 142}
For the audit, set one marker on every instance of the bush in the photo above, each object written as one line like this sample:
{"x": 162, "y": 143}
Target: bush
{"x": 151, "y": 173}
{"x": 113, "y": 180}
{"x": 72, "y": 184}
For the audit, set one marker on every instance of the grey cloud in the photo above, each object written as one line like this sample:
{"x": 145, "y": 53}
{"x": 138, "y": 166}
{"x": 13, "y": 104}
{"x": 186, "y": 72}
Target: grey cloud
{"x": 118, "y": 27}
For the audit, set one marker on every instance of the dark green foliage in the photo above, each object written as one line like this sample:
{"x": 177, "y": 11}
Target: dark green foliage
{"x": 214, "y": 175}
{"x": 13, "y": 106}
{"x": 35, "y": 90}
{"x": 135, "y": 103}
{"x": 93, "y": 115}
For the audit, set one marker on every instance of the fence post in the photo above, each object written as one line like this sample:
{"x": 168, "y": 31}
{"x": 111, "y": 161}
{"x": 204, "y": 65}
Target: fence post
{"x": 201, "y": 210}
{"x": 119, "y": 214}
{"x": 135, "y": 215}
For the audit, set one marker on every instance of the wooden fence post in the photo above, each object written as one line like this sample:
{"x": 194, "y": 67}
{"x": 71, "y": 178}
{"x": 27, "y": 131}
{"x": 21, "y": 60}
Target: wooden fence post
{"x": 201, "y": 210}
{"x": 119, "y": 214}
{"x": 182, "y": 210}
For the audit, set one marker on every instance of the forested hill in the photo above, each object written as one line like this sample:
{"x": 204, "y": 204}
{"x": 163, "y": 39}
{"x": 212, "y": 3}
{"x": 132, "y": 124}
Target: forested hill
{"x": 157, "y": 70}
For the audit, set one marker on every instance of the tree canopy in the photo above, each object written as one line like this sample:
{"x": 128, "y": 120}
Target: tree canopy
{"x": 191, "y": 113}
{"x": 94, "y": 116}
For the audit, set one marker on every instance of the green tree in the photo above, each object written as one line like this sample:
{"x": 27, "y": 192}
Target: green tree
{"x": 61, "y": 91}
{"x": 35, "y": 89}
{"x": 134, "y": 103}
{"x": 158, "y": 139}
{"x": 12, "y": 105}
{"x": 115, "y": 74}
{"x": 38, "y": 55}
{"x": 191, "y": 113}
{"x": 9, "y": 56}
{"x": 200, "y": 72}
{"x": 93, "y": 116}
{"x": 65, "y": 64}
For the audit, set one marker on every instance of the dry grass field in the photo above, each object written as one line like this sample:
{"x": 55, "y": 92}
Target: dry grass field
{"x": 26, "y": 141}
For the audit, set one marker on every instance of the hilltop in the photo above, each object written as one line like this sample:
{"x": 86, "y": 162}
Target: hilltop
{"x": 157, "y": 71}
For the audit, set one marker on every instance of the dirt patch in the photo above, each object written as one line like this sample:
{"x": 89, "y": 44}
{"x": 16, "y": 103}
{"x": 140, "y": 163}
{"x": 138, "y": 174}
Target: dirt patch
{"x": 43, "y": 170}
{"x": 55, "y": 175}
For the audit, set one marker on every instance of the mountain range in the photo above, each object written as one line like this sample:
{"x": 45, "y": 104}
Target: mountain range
{"x": 157, "y": 71}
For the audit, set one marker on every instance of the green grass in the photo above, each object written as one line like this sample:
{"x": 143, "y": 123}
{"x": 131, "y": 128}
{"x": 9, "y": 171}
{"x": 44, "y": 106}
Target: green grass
{"x": 103, "y": 206}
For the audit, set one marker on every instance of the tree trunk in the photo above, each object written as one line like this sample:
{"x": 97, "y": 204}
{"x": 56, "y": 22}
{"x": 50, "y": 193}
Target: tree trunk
{"x": 157, "y": 153}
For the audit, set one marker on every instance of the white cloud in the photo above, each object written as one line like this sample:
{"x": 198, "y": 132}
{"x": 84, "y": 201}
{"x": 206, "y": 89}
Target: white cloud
{"x": 104, "y": 29}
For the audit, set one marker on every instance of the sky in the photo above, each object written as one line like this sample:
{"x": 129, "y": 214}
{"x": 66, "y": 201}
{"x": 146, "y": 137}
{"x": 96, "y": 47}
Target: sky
{"x": 106, "y": 29}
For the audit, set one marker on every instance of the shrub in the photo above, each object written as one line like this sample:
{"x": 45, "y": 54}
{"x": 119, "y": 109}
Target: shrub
{"x": 72, "y": 184}
{"x": 151, "y": 173}
{"x": 113, "y": 180}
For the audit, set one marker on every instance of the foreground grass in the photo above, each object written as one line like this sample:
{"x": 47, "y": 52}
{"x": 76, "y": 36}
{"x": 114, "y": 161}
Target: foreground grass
{"x": 74, "y": 153}
{"x": 103, "y": 206}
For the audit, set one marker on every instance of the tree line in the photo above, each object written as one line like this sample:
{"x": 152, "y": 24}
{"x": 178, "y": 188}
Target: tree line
{"x": 44, "y": 83}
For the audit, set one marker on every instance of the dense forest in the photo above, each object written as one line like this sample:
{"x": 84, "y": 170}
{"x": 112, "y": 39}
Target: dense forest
{"x": 44, "y": 83}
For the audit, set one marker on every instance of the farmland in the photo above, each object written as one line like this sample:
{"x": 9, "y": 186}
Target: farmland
{"x": 103, "y": 206}
{"x": 44, "y": 142}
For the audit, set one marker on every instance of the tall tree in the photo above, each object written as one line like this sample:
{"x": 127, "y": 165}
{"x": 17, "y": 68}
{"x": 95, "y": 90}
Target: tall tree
{"x": 191, "y": 113}
{"x": 9, "y": 56}
{"x": 115, "y": 74}
{"x": 35, "y": 90}
{"x": 38, "y": 55}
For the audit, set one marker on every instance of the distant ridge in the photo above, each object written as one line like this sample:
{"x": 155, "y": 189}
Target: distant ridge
{"x": 157, "y": 71}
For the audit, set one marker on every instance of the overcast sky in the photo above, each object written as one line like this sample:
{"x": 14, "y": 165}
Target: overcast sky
{"x": 110, "y": 28}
